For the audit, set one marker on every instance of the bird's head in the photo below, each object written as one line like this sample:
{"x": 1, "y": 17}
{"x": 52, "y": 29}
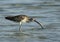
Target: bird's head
{"x": 34, "y": 20}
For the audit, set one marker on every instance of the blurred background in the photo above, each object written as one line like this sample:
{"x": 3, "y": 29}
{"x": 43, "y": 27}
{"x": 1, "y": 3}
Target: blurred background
{"x": 47, "y": 12}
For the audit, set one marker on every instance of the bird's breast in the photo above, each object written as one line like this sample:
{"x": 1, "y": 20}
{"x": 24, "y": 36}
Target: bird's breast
{"x": 25, "y": 20}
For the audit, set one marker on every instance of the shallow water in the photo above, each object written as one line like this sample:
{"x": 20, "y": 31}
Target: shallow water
{"x": 47, "y": 12}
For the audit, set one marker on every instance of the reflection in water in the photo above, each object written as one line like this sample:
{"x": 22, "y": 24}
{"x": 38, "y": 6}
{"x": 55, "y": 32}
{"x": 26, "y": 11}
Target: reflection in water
{"x": 15, "y": 37}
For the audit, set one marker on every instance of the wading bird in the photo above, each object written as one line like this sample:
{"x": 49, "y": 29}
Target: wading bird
{"x": 21, "y": 19}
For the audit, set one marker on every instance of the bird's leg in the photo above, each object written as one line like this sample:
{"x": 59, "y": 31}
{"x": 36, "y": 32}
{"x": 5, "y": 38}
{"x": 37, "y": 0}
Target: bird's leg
{"x": 20, "y": 27}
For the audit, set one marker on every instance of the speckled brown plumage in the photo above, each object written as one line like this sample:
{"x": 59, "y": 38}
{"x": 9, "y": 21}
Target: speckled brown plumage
{"x": 18, "y": 18}
{"x": 22, "y": 18}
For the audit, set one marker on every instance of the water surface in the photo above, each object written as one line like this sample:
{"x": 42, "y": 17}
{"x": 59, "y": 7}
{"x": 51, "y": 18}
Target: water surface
{"x": 47, "y": 12}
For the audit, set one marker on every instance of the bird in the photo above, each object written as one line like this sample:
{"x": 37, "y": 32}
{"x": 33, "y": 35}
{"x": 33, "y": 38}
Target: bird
{"x": 22, "y": 19}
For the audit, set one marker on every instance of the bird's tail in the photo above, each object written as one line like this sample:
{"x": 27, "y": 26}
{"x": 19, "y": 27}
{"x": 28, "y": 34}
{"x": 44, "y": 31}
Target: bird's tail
{"x": 9, "y": 18}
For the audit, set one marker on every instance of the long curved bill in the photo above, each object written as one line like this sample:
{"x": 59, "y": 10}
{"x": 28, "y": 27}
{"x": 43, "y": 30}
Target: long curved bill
{"x": 38, "y": 23}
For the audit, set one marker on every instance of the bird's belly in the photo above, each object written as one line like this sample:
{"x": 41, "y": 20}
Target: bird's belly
{"x": 24, "y": 20}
